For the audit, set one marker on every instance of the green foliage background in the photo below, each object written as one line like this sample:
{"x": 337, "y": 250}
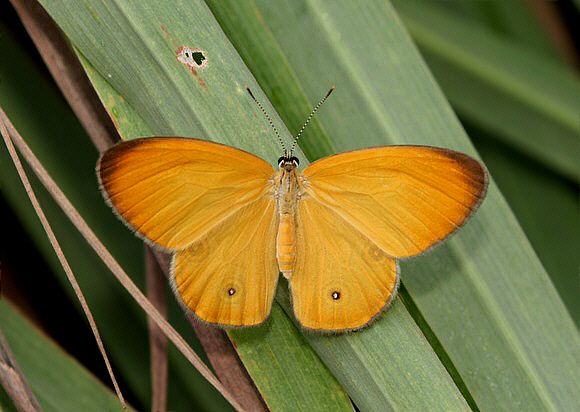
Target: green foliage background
{"x": 487, "y": 321}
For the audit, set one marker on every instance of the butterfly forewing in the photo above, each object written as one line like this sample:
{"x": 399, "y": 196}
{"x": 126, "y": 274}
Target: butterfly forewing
{"x": 174, "y": 190}
{"x": 404, "y": 199}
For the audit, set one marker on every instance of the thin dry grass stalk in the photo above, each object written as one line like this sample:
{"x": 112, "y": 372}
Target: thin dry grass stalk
{"x": 4, "y": 123}
{"x": 157, "y": 340}
{"x": 108, "y": 259}
{"x": 223, "y": 357}
{"x": 14, "y": 382}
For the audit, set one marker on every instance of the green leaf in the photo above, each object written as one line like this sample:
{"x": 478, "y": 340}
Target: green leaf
{"x": 279, "y": 358}
{"x": 484, "y": 293}
{"x": 55, "y": 378}
{"x": 555, "y": 236}
{"x": 479, "y": 294}
{"x": 502, "y": 85}
{"x": 513, "y": 19}
{"x": 128, "y": 115}
{"x": 36, "y": 107}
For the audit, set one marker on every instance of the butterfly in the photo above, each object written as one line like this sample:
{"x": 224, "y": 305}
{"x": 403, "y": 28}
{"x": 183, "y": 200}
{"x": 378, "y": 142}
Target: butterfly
{"x": 335, "y": 230}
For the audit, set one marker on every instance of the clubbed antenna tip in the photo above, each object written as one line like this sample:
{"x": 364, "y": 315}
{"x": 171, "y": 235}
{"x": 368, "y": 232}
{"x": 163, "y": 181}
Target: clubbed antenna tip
{"x": 325, "y": 97}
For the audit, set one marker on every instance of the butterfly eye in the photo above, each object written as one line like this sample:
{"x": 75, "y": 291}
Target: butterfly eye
{"x": 295, "y": 160}
{"x": 281, "y": 161}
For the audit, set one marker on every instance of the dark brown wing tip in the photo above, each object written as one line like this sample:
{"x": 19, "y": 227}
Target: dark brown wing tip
{"x": 475, "y": 173}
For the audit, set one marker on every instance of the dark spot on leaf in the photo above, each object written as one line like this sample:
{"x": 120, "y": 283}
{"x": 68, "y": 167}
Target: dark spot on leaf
{"x": 198, "y": 57}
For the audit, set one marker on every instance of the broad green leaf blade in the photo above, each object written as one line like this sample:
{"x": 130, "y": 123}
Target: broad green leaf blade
{"x": 29, "y": 97}
{"x": 128, "y": 114}
{"x": 55, "y": 378}
{"x": 354, "y": 361}
{"x": 135, "y": 48}
{"x": 375, "y": 370}
{"x": 484, "y": 294}
{"x": 512, "y": 91}
{"x": 513, "y": 19}
{"x": 278, "y": 344}
{"x": 554, "y": 236}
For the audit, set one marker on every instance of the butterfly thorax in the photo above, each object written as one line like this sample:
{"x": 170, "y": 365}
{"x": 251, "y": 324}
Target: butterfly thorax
{"x": 288, "y": 191}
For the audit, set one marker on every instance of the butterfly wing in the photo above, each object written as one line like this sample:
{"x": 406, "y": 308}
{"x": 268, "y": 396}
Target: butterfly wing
{"x": 341, "y": 279}
{"x": 361, "y": 210}
{"x": 174, "y": 190}
{"x": 229, "y": 276}
{"x": 404, "y": 199}
{"x": 212, "y": 205}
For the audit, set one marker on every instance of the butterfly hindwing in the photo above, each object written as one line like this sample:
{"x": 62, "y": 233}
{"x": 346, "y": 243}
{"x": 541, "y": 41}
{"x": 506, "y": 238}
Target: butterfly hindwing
{"x": 229, "y": 277}
{"x": 341, "y": 280}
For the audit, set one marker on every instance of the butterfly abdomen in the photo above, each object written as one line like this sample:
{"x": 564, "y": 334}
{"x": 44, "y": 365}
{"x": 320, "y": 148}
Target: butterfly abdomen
{"x": 286, "y": 244}
{"x": 287, "y": 193}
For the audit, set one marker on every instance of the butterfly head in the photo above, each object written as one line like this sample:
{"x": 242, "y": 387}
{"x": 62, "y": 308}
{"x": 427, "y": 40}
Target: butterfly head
{"x": 288, "y": 162}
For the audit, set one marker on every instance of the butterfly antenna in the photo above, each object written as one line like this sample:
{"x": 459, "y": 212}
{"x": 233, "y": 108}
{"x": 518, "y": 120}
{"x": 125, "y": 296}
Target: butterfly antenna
{"x": 269, "y": 121}
{"x": 308, "y": 119}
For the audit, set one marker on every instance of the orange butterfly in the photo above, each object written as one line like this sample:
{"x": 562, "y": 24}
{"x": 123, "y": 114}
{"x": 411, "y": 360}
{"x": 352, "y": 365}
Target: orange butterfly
{"x": 335, "y": 230}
